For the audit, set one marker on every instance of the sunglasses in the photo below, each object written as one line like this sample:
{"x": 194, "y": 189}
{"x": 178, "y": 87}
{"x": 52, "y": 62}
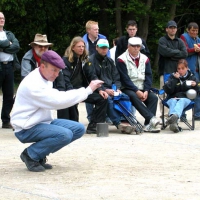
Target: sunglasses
{"x": 137, "y": 45}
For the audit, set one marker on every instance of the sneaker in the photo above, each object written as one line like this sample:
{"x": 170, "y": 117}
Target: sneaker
{"x": 126, "y": 128}
{"x": 174, "y": 127}
{"x": 7, "y": 125}
{"x": 149, "y": 128}
{"x": 165, "y": 121}
{"x": 31, "y": 164}
{"x": 44, "y": 164}
{"x": 154, "y": 122}
{"x": 172, "y": 119}
{"x": 92, "y": 128}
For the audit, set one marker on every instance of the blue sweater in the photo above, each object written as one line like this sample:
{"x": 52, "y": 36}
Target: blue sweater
{"x": 192, "y": 56}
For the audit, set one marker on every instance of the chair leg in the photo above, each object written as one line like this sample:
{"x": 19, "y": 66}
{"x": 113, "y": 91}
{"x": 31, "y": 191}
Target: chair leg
{"x": 163, "y": 118}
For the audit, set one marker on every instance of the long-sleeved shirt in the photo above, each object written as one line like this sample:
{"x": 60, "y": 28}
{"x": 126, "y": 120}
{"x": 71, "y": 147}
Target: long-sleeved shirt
{"x": 36, "y": 98}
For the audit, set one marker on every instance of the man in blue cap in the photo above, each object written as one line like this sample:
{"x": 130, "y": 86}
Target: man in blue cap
{"x": 31, "y": 117}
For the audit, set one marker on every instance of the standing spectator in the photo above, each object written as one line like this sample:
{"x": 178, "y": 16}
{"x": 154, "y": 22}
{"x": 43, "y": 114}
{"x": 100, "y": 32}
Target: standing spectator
{"x": 136, "y": 78}
{"x": 78, "y": 73}
{"x": 192, "y": 41}
{"x": 122, "y": 43}
{"x": 9, "y": 46}
{"x": 113, "y": 49}
{"x": 170, "y": 49}
{"x": 91, "y": 38}
{"x": 32, "y": 58}
{"x": 106, "y": 71}
{"x": 32, "y": 117}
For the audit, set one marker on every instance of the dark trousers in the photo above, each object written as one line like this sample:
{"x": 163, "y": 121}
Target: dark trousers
{"x": 7, "y": 86}
{"x": 98, "y": 113}
{"x": 70, "y": 113}
{"x": 147, "y": 108}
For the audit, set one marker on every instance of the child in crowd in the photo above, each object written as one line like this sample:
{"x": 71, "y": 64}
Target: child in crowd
{"x": 176, "y": 87}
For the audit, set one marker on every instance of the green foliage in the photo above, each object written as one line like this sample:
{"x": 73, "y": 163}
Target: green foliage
{"x": 62, "y": 20}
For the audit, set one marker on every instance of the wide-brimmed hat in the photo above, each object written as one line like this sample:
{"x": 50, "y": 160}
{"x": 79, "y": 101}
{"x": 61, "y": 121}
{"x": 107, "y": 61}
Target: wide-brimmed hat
{"x": 41, "y": 40}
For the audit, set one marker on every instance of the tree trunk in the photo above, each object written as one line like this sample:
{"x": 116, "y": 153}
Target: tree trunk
{"x": 104, "y": 18}
{"x": 143, "y": 28}
{"x": 118, "y": 17}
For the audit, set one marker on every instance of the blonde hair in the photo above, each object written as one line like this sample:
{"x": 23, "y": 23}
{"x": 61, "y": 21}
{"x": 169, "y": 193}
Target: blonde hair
{"x": 70, "y": 53}
{"x": 89, "y": 24}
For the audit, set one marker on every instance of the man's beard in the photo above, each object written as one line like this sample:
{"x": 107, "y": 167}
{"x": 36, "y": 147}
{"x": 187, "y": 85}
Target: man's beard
{"x": 39, "y": 53}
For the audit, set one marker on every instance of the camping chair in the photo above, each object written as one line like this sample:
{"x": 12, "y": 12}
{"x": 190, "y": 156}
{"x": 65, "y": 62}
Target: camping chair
{"x": 123, "y": 105}
{"x": 183, "y": 119}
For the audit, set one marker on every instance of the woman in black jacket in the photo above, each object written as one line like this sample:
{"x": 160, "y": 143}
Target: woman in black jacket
{"x": 79, "y": 73}
{"x": 176, "y": 87}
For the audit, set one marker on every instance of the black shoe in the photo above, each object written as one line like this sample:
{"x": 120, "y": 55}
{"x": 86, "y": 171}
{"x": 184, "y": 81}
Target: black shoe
{"x": 7, "y": 125}
{"x": 44, "y": 164}
{"x": 92, "y": 128}
{"x": 31, "y": 164}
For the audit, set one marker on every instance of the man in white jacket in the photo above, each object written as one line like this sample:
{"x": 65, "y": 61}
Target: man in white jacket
{"x": 31, "y": 117}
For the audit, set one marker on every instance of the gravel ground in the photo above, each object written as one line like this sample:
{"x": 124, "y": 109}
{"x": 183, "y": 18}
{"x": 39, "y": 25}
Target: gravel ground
{"x": 149, "y": 166}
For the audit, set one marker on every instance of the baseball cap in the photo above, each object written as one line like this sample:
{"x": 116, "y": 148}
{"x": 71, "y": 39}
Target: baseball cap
{"x": 171, "y": 23}
{"x": 103, "y": 43}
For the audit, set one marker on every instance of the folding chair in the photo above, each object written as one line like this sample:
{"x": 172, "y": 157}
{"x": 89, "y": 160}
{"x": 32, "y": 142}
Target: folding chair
{"x": 123, "y": 105}
{"x": 160, "y": 93}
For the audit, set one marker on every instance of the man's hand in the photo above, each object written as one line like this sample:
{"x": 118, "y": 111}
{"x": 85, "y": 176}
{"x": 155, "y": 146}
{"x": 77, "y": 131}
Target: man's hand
{"x": 145, "y": 95}
{"x": 196, "y": 48}
{"x": 103, "y": 94}
{"x": 139, "y": 94}
{"x": 95, "y": 84}
{"x": 110, "y": 92}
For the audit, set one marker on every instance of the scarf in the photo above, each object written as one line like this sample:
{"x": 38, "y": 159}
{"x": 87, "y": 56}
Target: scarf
{"x": 37, "y": 58}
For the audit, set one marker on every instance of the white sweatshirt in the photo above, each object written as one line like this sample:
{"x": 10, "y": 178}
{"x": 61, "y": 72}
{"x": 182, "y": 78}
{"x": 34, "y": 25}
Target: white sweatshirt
{"x": 36, "y": 98}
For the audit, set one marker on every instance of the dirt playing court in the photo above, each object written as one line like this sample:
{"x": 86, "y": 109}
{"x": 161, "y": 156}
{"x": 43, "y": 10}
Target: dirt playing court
{"x": 149, "y": 166}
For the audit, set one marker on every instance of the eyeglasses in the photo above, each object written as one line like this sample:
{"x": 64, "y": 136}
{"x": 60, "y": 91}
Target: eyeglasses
{"x": 40, "y": 46}
{"x": 2, "y": 18}
{"x": 138, "y": 46}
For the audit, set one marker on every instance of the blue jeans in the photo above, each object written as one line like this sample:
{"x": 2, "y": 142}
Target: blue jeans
{"x": 176, "y": 106}
{"x": 89, "y": 108}
{"x": 49, "y": 138}
{"x": 112, "y": 113}
{"x": 197, "y": 100}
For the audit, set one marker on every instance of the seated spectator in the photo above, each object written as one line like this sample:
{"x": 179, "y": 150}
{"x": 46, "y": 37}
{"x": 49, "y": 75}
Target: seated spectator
{"x": 32, "y": 58}
{"x": 78, "y": 73}
{"x": 176, "y": 87}
{"x": 106, "y": 71}
{"x": 136, "y": 78}
{"x": 122, "y": 43}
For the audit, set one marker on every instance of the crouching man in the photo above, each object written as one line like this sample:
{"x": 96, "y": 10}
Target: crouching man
{"x": 31, "y": 117}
